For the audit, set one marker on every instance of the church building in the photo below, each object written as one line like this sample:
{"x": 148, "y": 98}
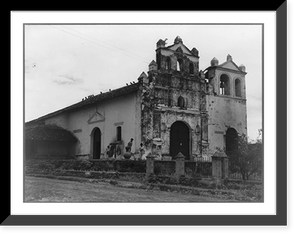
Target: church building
{"x": 175, "y": 107}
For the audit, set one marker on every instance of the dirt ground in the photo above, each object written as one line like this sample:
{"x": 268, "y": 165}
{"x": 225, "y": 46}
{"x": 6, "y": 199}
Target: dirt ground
{"x": 39, "y": 189}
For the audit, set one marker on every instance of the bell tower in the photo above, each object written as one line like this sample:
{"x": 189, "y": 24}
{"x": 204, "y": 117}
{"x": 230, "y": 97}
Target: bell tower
{"x": 227, "y": 79}
{"x": 226, "y": 102}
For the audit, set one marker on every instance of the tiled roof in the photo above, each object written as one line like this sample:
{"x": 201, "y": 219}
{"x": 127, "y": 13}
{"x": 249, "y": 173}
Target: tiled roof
{"x": 49, "y": 132}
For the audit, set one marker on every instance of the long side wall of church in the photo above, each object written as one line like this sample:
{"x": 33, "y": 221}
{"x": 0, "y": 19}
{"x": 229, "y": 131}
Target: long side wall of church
{"x": 122, "y": 111}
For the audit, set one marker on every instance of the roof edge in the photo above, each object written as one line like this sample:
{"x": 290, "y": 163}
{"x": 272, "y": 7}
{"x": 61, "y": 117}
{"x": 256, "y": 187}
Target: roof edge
{"x": 223, "y": 68}
{"x": 93, "y": 100}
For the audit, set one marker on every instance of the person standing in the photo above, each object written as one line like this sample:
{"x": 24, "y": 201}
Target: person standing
{"x": 142, "y": 150}
{"x": 107, "y": 152}
{"x": 129, "y": 145}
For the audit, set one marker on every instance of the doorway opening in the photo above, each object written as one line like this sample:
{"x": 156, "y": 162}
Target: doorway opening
{"x": 231, "y": 140}
{"x": 180, "y": 139}
{"x": 96, "y": 143}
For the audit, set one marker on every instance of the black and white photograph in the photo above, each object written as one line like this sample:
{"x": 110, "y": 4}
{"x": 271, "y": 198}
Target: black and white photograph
{"x": 148, "y": 119}
{"x": 143, "y": 113}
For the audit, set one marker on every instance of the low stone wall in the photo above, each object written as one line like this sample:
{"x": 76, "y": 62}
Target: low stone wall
{"x": 164, "y": 167}
{"x": 203, "y": 169}
{"x": 168, "y": 167}
{"x": 45, "y": 165}
{"x": 186, "y": 174}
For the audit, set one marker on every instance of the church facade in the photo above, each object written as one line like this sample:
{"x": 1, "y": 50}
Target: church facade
{"x": 173, "y": 108}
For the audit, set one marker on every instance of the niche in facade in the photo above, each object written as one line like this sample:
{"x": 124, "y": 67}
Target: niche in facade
{"x": 180, "y": 102}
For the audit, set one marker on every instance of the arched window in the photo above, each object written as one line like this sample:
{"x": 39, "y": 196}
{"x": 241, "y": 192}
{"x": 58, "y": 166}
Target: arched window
{"x": 119, "y": 133}
{"x": 179, "y": 65}
{"x": 191, "y": 68}
{"x": 180, "y": 102}
{"x": 224, "y": 85}
{"x": 238, "y": 90}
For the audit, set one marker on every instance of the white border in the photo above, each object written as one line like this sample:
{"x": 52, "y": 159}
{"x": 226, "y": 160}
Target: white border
{"x": 20, "y": 208}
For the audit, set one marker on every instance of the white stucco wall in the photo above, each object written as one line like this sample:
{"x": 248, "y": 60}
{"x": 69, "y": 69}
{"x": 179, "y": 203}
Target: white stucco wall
{"x": 121, "y": 111}
{"x": 224, "y": 112}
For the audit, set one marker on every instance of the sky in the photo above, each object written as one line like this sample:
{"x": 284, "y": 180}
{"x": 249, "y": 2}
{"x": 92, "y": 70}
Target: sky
{"x": 65, "y": 63}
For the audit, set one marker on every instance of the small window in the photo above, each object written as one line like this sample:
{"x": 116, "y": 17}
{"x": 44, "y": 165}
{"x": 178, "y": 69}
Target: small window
{"x": 198, "y": 129}
{"x": 180, "y": 102}
{"x": 191, "y": 68}
{"x": 119, "y": 133}
{"x": 168, "y": 64}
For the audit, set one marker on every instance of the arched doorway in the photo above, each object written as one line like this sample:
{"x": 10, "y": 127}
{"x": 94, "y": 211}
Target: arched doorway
{"x": 180, "y": 139}
{"x": 96, "y": 143}
{"x": 231, "y": 139}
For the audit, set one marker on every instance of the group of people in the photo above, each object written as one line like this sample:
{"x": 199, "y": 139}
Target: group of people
{"x": 113, "y": 150}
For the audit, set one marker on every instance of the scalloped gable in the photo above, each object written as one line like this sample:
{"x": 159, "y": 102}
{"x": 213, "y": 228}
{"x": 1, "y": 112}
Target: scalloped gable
{"x": 185, "y": 50}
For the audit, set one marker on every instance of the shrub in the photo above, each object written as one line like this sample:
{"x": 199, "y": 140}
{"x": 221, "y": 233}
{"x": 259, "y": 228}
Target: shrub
{"x": 45, "y": 167}
{"x": 188, "y": 181}
{"x": 130, "y": 166}
{"x": 75, "y": 165}
{"x": 246, "y": 158}
{"x": 103, "y": 165}
{"x": 82, "y": 165}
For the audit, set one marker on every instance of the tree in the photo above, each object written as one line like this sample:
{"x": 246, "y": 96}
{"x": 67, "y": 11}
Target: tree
{"x": 247, "y": 158}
